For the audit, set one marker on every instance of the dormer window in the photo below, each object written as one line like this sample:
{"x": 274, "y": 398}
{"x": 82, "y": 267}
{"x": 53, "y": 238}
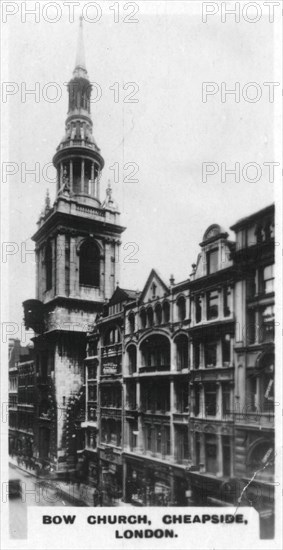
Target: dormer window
{"x": 212, "y": 261}
{"x": 153, "y": 290}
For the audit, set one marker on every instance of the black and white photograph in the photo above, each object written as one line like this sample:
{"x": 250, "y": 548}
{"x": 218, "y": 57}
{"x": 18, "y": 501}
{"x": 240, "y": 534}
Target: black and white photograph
{"x": 141, "y": 237}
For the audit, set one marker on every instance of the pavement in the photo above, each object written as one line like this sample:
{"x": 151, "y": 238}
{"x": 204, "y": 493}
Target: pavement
{"x": 76, "y": 495}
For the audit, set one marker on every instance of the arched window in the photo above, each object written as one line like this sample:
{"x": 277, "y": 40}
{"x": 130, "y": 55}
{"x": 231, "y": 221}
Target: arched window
{"x": 132, "y": 359}
{"x": 158, "y": 314}
{"x": 112, "y": 336}
{"x": 143, "y": 318}
{"x": 182, "y": 350}
{"x": 166, "y": 312}
{"x": 150, "y": 316}
{"x": 89, "y": 264}
{"x": 181, "y": 306}
{"x": 131, "y": 323}
{"x": 48, "y": 266}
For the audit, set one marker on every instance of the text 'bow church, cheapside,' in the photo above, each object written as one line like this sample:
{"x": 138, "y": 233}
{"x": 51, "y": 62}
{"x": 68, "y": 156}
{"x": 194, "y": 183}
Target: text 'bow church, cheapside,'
{"x": 152, "y": 398}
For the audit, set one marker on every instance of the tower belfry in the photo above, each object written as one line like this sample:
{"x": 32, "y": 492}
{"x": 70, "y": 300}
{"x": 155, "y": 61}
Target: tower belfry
{"x": 78, "y": 160}
{"x": 77, "y": 264}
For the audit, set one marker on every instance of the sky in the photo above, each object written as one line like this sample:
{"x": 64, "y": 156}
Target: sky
{"x": 168, "y": 133}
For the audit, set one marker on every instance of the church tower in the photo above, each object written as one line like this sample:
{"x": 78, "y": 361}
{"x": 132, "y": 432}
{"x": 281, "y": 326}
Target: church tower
{"x": 77, "y": 259}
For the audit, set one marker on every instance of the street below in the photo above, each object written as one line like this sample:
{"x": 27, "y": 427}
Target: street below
{"x": 33, "y": 494}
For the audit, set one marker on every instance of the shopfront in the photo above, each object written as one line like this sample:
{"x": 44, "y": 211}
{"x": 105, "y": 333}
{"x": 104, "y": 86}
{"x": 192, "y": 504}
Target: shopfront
{"x": 110, "y": 477}
{"x": 148, "y": 483}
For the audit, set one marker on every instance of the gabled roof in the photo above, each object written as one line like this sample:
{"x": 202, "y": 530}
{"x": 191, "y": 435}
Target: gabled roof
{"x": 122, "y": 295}
{"x": 153, "y": 276}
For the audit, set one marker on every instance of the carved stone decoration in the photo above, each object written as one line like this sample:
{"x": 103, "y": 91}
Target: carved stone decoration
{"x": 209, "y": 428}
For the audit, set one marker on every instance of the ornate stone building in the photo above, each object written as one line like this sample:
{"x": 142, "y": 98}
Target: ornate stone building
{"x": 105, "y": 403}
{"x": 254, "y": 450}
{"x": 156, "y": 407}
{"x": 77, "y": 260}
{"x": 212, "y": 336}
{"x": 21, "y": 399}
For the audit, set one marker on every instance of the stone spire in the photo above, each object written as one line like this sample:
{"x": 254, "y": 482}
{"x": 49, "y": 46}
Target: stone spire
{"x": 80, "y": 66}
{"x": 77, "y": 159}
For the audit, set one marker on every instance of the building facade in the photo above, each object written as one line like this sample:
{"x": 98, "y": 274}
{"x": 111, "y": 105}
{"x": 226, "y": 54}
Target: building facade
{"x": 154, "y": 398}
{"x": 254, "y": 441}
{"x": 211, "y": 381}
{"x": 77, "y": 260}
{"x": 156, "y": 408}
{"x": 193, "y": 419}
{"x": 21, "y": 400}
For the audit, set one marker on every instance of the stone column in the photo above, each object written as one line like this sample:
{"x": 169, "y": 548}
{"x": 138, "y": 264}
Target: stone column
{"x": 107, "y": 269}
{"x": 54, "y": 267}
{"x": 71, "y": 175}
{"x": 219, "y": 400}
{"x": 82, "y": 175}
{"x": 257, "y": 326}
{"x": 220, "y": 303}
{"x": 219, "y": 456}
{"x": 219, "y": 355}
{"x": 92, "y": 180}
{"x": 231, "y": 351}
{"x": 140, "y": 446}
{"x": 58, "y": 178}
{"x": 232, "y": 295}
{"x": 138, "y": 394}
{"x": 172, "y": 397}
{"x": 258, "y": 404}
{"x": 201, "y": 356}
{"x": 193, "y": 311}
{"x": 60, "y": 266}
{"x": 61, "y": 174}
{"x": 192, "y": 399}
{"x": 173, "y": 356}
{"x": 203, "y": 306}
{"x": 124, "y": 477}
{"x": 191, "y": 355}
{"x": 98, "y": 185}
{"x": 74, "y": 273}
{"x": 201, "y": 401}
{"x": 202, "y": 452}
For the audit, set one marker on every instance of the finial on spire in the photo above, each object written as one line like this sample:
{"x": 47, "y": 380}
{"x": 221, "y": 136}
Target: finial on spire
{"x": 47, "y": 201}
{"x": 80, "y": 65}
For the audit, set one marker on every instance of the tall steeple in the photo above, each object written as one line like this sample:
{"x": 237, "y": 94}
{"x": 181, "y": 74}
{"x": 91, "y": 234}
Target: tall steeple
{"x": 77, "y": 245}
{"x": 80, "y": 66}
{"x": 78, "y": 160}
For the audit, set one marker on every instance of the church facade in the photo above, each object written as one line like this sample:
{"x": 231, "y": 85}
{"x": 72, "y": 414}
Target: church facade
{"x": 77, "y": 260}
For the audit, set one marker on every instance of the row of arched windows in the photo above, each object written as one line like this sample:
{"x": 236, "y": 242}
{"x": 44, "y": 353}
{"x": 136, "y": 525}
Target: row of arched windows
{"x": 155, "y": 354}
{"x": 157, "y": 316}
{"x": 89, "y": 267}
